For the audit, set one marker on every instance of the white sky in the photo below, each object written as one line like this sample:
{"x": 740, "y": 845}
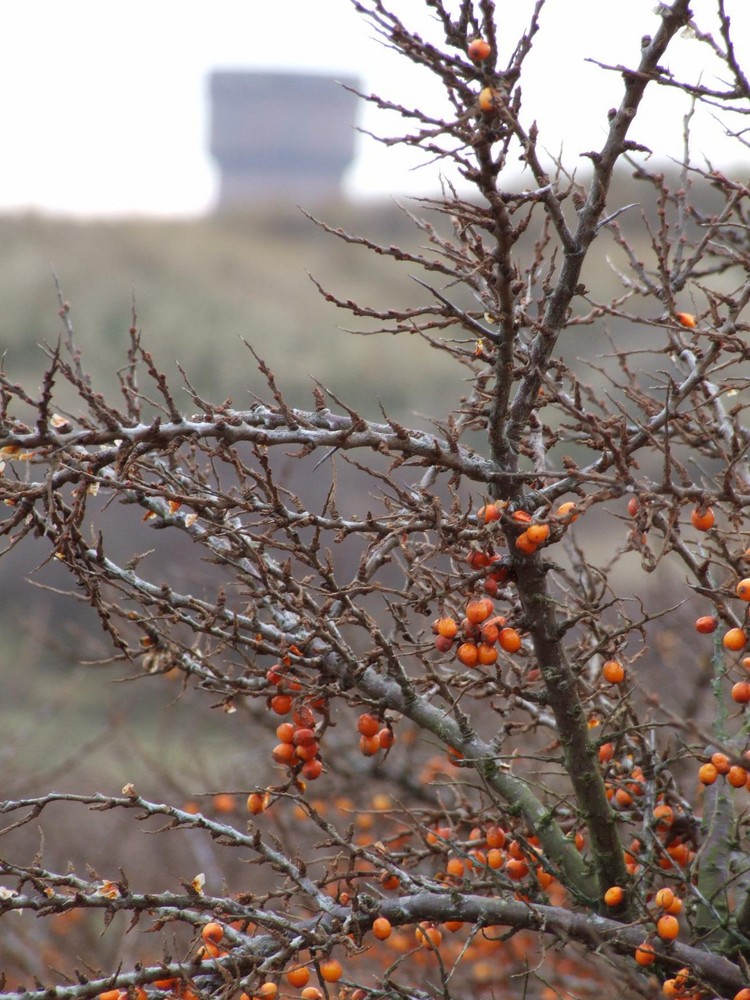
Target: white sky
{"x": 103, "y": 108}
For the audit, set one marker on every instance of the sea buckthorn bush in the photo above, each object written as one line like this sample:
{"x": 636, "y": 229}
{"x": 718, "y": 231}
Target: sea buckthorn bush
{"x": 495, "y": 698}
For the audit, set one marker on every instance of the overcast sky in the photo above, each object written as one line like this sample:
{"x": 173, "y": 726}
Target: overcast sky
{"x": 104, "y": 107}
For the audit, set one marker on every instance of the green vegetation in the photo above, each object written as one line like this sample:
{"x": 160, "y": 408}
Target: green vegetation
{"x": 200, "y": 287}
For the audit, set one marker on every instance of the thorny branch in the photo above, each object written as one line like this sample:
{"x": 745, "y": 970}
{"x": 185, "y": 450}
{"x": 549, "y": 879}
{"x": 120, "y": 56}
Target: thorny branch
{"x": 561, "y": 771}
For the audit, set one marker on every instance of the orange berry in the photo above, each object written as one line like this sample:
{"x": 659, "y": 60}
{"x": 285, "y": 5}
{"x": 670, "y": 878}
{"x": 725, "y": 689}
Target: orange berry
{"x": 664, "y": 899}
{"x": 303, "y": 717}
{"x": 509, "y": 640}
{"x": 446, "y": 627}
{"x": 516, "y": 869}
{"x": 686, "y": 319}
{"x": 707, "y": 774}
{"x": 667, "y": 927}
{"x": 515, "y": 850}
{"x": 478, "y": 610}
{"x": 285, "y": 732}
{"x": 381, "y": 928}
{"x": 299, "y": 976}
{"x": 111, "y": 995}
{"x": 521, "y": 516}
{"x": 331, "y": 970}
{"x": 225, "y": 803}
{"x": 645, "y": 954}
{"x": 283, "y": 753}
{"x": 312, "y": 769}
{"x": 368, "y": 725}
{"x": 453, "y": 925}
{"x": 488, "y": 98}
{"x": 386, "y": 738}
{"x": 455, "y": 867}
{"x": 478, "y": 560}
{"x": 524, "y": 544}
{"x": 488, "y": 654}
{"x": 490, "y": 629}
{"x": 613, "y": 671}
{"x": 742, "y": 590}
{"x": 721, "y": 762}
{"x": 495, "y": 837}
{"x": 623, "y": 798}
{"x": 311, "y": 993}
{"x": 606, "y": 753}
{"x": 734, "y": 640}
{"x": 369, "y": 745}
{"x": 676, "y": 907}
{"x": 281, "y": 704}
{"x": 257, "y": 802}
{"x": 679, "y": 853}
{"x": 566, "y": 511}
{"x": 388, "y": 881}
{"x": 468, "y": 654}
{"x": 495, "y": 858}
{"x": 476, "y": 858}
{"x": 304, "y": 737}
{"x": 428, "y": 936}
{"x": 737, "y": 776}
{"x": 664, "y": 815}
{"x": 706, "y": 624}
{"x": 308, "y": 752}
{"x": 212, "y": 931}
{"x": 743, "y": 994}
{"x": 479, "y": 50}
{"x": 266, "y": 991}
{"x": 490, "y": 512}
{"x": 633, "y": 506}
{"x": 439, "y": 835}
{"x": 741, "y": 692}
{"x": 702, "y": 520}
{"x": 539, "y": 533}
{"x": 614, "y": 895}
{"x": 544, "y": 878}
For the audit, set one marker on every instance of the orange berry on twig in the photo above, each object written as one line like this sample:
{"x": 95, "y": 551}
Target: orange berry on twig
{"x": 686, "y": 319}
{"x": 702, "y": 519}
{"x": 706, "y": 624}
{"x": 664, "y": 898}
{"x": 479, "y": 50}
{"x": 567, "y": 511}
{"x": 707, "y": 774}
{"x": 614, "y": 895}
{"x": 368, "y": 725}
{"x": 488, "y": 99}
{"x": 509, "y": 640}
{"x": 667, "y": 927}
{"x": 539, "y": 533}
{"x": 331, "y": 970}
{"x": 381, "y": 928}
{"x": 299, "y": 976}
{"x": 734, "y": 640}
{"x": 645, "y": 954}
{"x": 613, "y": 671}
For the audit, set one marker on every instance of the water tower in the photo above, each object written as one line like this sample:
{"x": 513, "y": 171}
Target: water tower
{"x": 280, "y": 136}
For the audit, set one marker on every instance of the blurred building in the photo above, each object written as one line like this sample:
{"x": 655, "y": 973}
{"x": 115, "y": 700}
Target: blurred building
{"x": 280, "y": 136}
